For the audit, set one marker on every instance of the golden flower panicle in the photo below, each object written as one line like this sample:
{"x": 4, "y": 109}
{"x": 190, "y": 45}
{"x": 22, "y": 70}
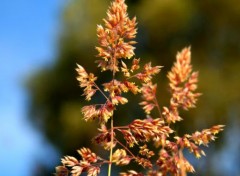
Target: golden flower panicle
{"x": 183, "y": 82}
{"x": 115, "y": 43}
{"x": 116, "y": 37}
{"x": 86, "y": 80}
{"x": 181, "y": 69}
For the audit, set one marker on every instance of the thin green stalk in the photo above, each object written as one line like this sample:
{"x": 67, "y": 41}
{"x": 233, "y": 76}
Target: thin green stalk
{"x": 111, "y": 150}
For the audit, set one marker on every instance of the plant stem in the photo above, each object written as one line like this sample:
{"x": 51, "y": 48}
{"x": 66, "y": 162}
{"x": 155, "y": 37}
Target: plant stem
{"x": 156, "y": 103}
{"x": 101, "y": 91}
{"x": 111, "y": 150}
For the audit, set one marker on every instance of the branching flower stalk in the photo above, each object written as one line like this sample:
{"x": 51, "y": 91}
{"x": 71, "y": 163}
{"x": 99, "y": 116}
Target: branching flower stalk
{"x": 116, "y": 40}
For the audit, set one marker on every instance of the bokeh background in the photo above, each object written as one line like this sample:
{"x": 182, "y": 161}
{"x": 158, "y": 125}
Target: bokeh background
{"x": 40, "y": 101}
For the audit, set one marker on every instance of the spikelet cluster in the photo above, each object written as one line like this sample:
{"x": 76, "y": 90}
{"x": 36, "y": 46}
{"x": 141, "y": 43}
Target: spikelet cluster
{"x": 116, "y": 37}
{"x": 116, "y": 40}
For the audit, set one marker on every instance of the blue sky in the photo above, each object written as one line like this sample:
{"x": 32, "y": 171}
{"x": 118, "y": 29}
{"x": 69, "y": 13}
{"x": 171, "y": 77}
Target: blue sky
{"x": 28, "y": 32}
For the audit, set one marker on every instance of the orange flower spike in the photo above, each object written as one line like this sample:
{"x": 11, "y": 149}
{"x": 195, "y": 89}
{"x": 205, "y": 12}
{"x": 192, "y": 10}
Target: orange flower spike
{"x": 116, "y": 37}
{"x": 86, "y": 80}
{"x": 183, "y": 82}
{"x": 181, "y": 69}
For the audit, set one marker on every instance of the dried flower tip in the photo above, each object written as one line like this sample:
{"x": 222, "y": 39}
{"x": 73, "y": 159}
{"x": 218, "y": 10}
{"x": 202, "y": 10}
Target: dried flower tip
{"x": 206, "y": 135}
{"x": 69, "y": 161}
{"x": 86, "y": 80}
{"x": 87, "y": 155}
{"x": 216, "y": 129}
{"x": 131, "y": 173}
{"x": 182, "y": 67}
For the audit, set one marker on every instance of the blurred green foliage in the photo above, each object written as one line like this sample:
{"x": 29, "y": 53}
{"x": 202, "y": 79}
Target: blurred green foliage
{"x": 211, "y": 28}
